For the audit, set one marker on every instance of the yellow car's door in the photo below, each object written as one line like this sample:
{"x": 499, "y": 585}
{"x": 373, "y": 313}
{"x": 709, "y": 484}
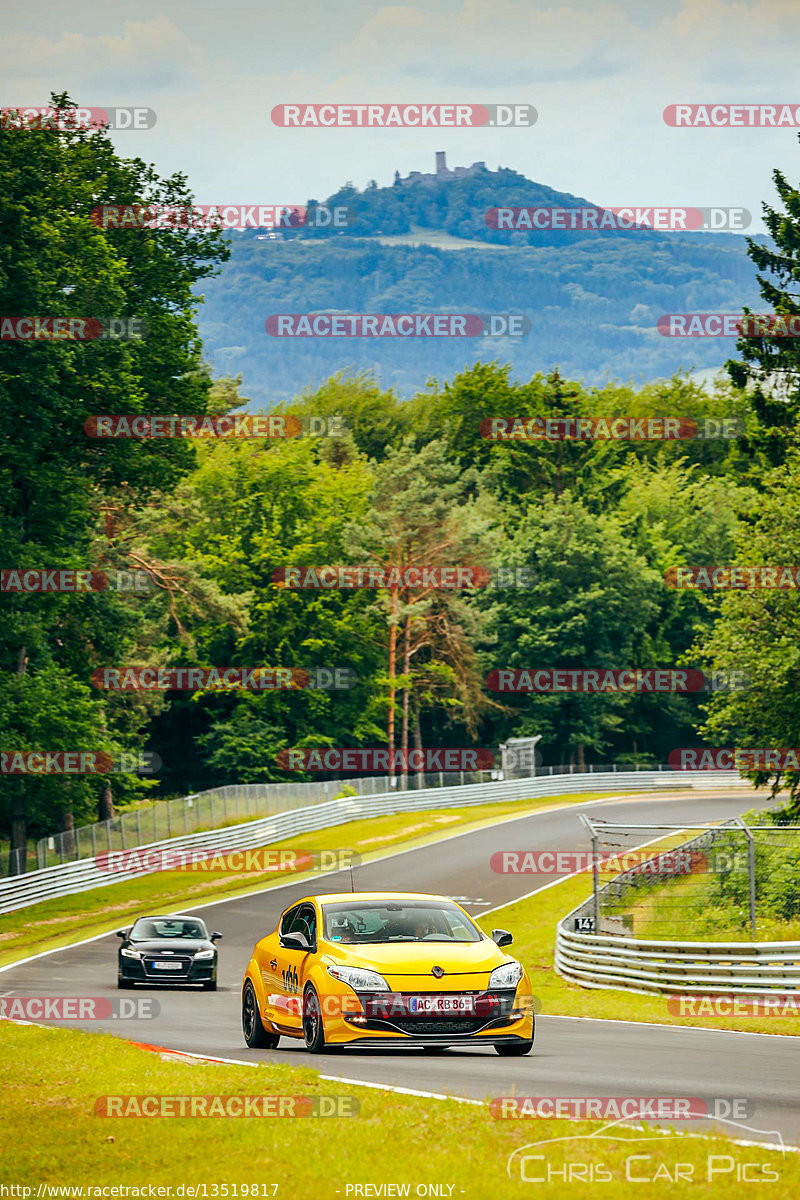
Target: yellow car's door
{"x": 267, "y": 963}
{"x": 295, "y": 954}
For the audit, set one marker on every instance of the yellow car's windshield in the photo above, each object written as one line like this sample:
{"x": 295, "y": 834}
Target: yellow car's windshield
{"x": 374, "y": 921}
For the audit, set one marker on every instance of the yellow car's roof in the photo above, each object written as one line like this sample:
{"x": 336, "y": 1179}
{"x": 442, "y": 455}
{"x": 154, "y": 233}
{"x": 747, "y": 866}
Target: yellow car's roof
{"x": 330, "y": 897}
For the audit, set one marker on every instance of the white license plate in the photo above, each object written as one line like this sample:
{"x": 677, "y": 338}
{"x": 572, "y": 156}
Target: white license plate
{"x": 168, "y": 966}
{"x": 441, "y": 1004}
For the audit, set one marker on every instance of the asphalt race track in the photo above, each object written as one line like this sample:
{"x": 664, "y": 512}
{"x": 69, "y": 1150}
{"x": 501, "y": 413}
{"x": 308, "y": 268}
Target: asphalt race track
{"x": 571, "y": 1057}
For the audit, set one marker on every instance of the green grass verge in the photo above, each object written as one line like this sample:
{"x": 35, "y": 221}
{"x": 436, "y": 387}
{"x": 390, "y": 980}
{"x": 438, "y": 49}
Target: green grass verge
{"x": 51, "y": 1079}
{"x": 63, "y": 920}
{"x": 534, "y": 921}
{"x": 689, "y": 910}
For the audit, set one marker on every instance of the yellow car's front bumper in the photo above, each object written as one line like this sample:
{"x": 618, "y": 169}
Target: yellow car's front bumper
{"x": 385, "y": 1018}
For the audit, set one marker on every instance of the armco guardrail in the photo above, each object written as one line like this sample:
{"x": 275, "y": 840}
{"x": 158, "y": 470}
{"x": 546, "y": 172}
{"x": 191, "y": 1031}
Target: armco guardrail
{"x": 610, "y": 961}
{"x": 68, "y": 878}
{"x": 614, "y": 960}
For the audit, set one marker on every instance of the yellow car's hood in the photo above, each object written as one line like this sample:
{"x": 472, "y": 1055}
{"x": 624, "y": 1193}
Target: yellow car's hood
{"x": 417, "y": 958}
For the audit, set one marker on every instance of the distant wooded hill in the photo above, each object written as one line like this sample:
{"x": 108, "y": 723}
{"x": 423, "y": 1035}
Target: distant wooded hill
{"x": 593, "y": 298}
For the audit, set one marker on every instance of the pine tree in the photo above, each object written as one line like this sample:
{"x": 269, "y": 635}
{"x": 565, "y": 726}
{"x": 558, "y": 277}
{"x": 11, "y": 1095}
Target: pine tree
{"x": 772, "y": 364}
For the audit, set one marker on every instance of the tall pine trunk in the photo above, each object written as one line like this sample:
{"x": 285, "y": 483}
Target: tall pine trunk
{"x": 18, "y": 847}
{"x": 392, "y": 678}
{"x": 406, "y": 696}
{"x": 418, "y": 746}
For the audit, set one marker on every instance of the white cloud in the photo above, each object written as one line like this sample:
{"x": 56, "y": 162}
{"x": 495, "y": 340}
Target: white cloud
{"x": 152, "y": 53}
{"x": 494, "y": 43}
{"x": 502, "y": 43}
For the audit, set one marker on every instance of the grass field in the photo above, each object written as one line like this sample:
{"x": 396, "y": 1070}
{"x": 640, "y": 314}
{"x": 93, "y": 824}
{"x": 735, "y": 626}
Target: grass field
{"x": 52, "y": 1080}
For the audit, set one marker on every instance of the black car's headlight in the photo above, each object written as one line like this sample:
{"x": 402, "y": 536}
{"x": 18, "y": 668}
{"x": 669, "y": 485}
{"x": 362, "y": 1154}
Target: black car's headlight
{"x": 126, "y": 953}
{"x": 204, "y": 954}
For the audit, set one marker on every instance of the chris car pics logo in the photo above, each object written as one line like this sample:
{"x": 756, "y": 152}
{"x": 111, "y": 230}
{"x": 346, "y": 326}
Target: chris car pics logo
{"x": 652, "y": 1157}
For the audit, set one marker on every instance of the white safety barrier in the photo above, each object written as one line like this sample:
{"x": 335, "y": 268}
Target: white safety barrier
{"x": 609, "y": 961}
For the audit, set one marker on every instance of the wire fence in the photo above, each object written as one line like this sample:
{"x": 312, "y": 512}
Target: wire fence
{"x": 737, "y": 879}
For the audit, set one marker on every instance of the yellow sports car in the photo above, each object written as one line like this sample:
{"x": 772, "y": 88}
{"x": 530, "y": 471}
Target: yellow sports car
{"x": 385, "y": 968}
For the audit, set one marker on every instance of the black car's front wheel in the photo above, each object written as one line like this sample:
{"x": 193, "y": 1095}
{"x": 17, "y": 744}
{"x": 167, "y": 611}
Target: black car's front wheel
{"x": 255, "y": 1035}
{"x": 210, "y": 985}
{"x": 124, "y": 983}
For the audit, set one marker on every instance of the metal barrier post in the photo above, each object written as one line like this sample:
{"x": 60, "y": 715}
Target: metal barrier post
{"x": 595, "y": 879}
{"x": 751, "y": 874}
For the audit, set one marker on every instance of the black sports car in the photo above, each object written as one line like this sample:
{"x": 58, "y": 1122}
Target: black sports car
{"x": 172, "y": 950}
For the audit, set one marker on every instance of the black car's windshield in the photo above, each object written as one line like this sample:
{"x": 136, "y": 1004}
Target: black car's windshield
{"x": 147, "y": 928}
{"x": 397, "y": 921}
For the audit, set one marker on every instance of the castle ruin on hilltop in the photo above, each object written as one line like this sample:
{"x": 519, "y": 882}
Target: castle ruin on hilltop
{"x": 442, "y": 172}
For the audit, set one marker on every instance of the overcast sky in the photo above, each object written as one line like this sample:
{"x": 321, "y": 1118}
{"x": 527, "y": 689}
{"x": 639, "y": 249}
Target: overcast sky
{"x": 599, "y": 74}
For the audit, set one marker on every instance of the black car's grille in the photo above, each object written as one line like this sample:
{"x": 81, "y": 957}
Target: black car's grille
{"x": 150, "y": 960}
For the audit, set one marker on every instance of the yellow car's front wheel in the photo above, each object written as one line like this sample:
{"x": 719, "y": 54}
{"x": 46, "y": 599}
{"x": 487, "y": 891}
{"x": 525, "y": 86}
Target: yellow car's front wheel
{"x": 513, "y": 1049}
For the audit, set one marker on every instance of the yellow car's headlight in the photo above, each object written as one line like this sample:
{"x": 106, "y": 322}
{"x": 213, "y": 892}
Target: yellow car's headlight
{"x": 359, "y": 979}
{"x": 506, "y": 976}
